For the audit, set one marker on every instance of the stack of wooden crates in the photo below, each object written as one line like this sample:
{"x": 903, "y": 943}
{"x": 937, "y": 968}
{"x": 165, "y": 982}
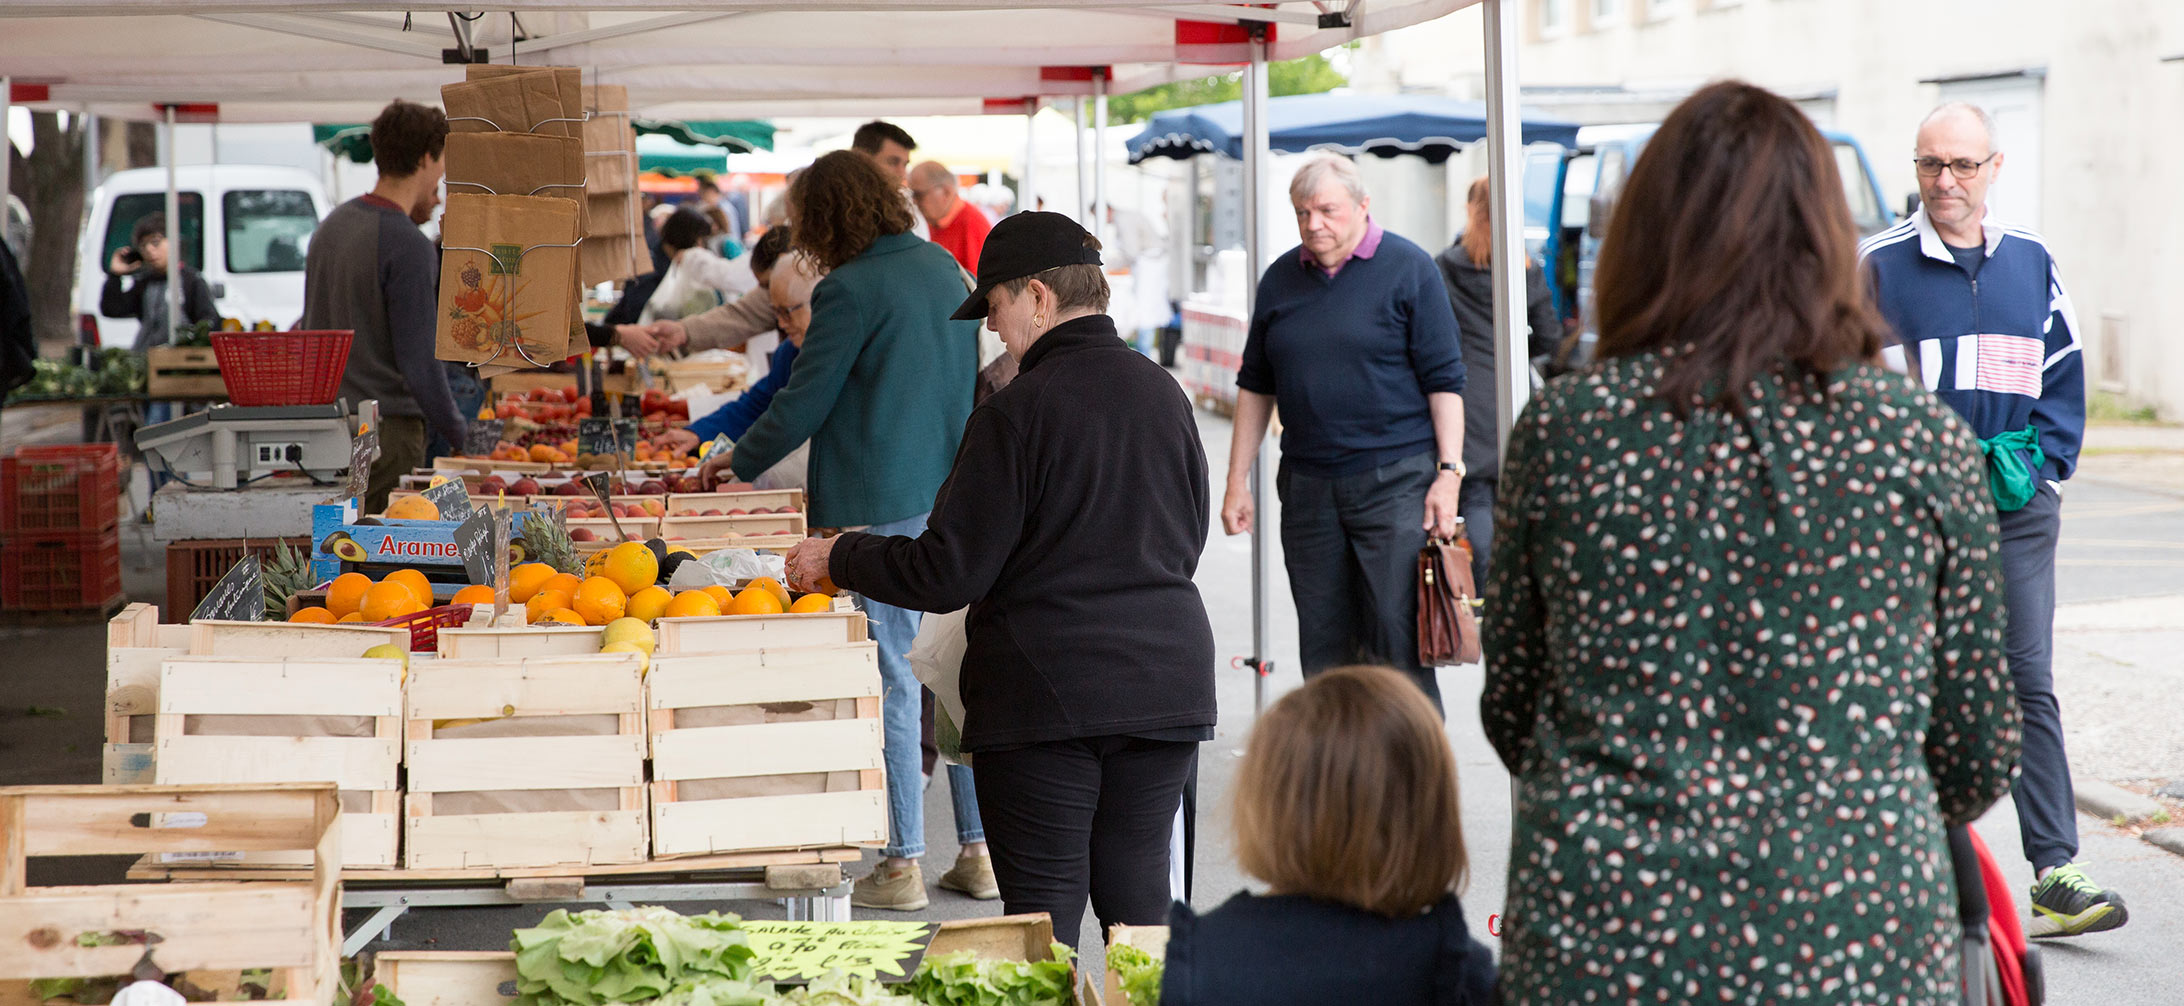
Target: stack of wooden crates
{"x": 521, "y": 748}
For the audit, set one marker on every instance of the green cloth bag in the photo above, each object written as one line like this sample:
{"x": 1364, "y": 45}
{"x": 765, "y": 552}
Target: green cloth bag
{"x": 2009, "y": 476}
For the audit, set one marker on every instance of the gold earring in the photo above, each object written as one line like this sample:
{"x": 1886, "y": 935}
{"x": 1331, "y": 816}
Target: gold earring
{"x": 1038, "y": 321}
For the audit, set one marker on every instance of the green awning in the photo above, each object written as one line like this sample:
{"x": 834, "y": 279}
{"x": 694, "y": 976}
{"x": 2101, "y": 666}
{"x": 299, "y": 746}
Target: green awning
{"x": 736, "y": 135}
{"x": 666, "y": 156}
{"x": 351, "y": 141}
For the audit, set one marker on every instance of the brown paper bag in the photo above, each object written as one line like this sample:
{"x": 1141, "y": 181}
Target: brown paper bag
{"x": 515, "y": 164}
{"x": 519, "y": 290}
{"x": 549, "y": 93}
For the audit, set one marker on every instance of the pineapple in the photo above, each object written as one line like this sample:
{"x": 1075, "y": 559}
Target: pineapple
{"x": 548, "y": 542}
{"x": 285, "y": 572}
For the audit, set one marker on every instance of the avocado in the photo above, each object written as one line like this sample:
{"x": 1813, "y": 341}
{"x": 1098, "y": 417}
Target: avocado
{"x": 343, "y": 547}
{"x": 659, "y": 551}
{"x": 368, "y": 522}
{"x": 668, "y": 565}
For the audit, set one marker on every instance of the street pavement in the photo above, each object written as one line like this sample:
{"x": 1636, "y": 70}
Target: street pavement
{"x": 2121, "y": 581}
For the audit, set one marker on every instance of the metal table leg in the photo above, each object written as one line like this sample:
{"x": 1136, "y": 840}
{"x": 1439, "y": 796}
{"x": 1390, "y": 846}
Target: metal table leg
{"x": 372, "y": 928}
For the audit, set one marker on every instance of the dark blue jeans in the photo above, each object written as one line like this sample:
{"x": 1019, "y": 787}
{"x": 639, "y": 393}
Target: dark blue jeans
{"x": 1351, "y": 544}
{"x": 2047, "y": 819}
{"x": 1475, "y": 503}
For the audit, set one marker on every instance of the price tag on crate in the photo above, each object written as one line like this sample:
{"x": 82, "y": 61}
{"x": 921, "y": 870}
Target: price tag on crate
{"x": 451, "y": 496}
{"x": 239, "y": 596}
{"x": 474, "y": 542}
{"x": 802, "y": 951}
{"x": 483, "y": 436}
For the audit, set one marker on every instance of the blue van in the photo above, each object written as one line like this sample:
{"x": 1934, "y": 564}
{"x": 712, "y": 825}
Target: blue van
{"x": 1569, "y": 195}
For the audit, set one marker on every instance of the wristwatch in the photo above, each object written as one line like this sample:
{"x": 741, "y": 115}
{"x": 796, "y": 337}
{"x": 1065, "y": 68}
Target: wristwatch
{"x": 1456, "y": 467}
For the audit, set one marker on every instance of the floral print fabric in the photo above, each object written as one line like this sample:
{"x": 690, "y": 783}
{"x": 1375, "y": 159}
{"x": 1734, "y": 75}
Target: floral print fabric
{"x": 1744, "y": 667}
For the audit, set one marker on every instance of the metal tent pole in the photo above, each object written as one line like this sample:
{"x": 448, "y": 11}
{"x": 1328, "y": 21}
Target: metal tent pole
{"x": 1262, "y": 472}
{"x": 7, "y": 147}
{"x": 175, "y": 243}
{"x": 1084, "y": 178}
{"x": 1505, "y": 160}
{"x": 1098, "y": 225}
{"x": 1027, "y": 195}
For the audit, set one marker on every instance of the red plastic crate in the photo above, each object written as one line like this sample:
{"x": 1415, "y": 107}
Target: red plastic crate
{"x": 282, "y": 368}
{"x": 61, "y": 572}
{"x": 69, "y": 489}
{"x": 424, "y": 626}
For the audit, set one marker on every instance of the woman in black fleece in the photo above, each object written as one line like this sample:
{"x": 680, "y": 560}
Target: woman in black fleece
{"x": 1346, "y": 807}
{"x": 1070, "y": 525}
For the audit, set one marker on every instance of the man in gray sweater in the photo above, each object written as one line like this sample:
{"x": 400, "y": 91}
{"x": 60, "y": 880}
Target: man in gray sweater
{"x": 370, "y": 269}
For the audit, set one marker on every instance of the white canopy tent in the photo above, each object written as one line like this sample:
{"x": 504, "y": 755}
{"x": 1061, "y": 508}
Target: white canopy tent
{"x": 341, "y": 60}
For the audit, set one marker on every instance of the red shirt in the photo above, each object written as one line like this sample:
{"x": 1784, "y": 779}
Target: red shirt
{"x": 963, "y": 233}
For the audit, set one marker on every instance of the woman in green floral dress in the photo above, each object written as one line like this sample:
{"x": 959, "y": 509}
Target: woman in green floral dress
{"x": 1744, "y": 625}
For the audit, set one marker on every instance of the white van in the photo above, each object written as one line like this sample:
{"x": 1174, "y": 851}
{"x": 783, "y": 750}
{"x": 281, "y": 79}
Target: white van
{"x": 252, "y": 254}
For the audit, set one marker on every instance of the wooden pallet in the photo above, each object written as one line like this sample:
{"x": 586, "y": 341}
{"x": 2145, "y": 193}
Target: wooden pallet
{"x": 743, "y": 633}
{"x": 796, "y": 762}
{"x": 487, "y": 978}
{"x": 291, "y": 699}
{"x": 598, "y": 684}
{"x": 291, "y": 927}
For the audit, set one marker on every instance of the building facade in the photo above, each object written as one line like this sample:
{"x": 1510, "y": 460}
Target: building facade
{"x": 2088, "y": 99}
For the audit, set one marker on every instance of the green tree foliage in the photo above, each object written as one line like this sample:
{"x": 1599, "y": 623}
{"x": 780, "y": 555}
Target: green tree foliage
{"x": 1311, "y": 75}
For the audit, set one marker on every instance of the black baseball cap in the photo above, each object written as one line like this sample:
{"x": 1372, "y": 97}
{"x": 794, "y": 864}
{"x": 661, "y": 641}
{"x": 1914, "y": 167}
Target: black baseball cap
{"x": 1024, "y": 245}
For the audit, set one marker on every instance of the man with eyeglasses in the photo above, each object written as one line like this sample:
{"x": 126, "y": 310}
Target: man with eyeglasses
{"x": 1981, "y": 319}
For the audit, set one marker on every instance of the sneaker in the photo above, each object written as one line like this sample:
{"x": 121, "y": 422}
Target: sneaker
{"x": 2069, "y": 903}
{"x": 897, "y": 890}
{"x": 972, "y": 875}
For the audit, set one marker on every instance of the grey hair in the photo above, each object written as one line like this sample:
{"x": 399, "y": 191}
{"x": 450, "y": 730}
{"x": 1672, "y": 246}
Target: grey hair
{"x": 1986, "y": 121}
{"x": 1319, "y": 171}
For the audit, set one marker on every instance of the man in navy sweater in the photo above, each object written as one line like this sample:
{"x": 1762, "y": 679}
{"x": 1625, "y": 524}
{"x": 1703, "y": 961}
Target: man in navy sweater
{"x": 1981, "y": 319}
{"x": 1352, "y": 335}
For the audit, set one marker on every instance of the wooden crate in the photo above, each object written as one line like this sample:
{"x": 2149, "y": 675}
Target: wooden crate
{"x": 520, "y": 641}
{"x": 487, "y": 978}
{"x": 289, "y": 699}
{"x": 183, "y": 372}
{"x": 531, "y": 380}
{"x": 487, "y": 466}
{"x": 739, "y": 633}
{"x": 446, "y": 689}
{"x": 291, "y": 927}
{"x": 136, "y": 642}
{"x": 194, "y": 566}
{"x": 1151, "y": 939}
{"x": 797, "y": 762}
{"x": 747, "y": 525}
{"x": 748, "y": 500}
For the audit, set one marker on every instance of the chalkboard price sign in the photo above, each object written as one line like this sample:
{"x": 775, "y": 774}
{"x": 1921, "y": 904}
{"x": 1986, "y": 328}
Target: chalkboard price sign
{"x": 600, "y": 435}
{"x": 483, "y": 436}
{"x": 474, "y": 542}
{"x": 452, "y": 497}
{"x": 239, "y": 596}
{"x": 363, "y": 449}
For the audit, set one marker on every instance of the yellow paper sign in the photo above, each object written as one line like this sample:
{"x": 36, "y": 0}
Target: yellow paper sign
{"x": 802, "y": 951}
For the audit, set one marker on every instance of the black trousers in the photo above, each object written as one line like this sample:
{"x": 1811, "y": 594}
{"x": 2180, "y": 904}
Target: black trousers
{"x": 1351, "y": 544}
{"x": 1086, "y": 817}
{"x": 2047, "y": 815}
{"x": 1475, "y": 503}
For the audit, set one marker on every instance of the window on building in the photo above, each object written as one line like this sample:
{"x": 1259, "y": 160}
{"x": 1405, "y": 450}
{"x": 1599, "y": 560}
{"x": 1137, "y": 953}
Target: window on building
{"x": 1658, "y": 9}
{"x": 1606, "y": 12}
{"x": 1554, "y": 17}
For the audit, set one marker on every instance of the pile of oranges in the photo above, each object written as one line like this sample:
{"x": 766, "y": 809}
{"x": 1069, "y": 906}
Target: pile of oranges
{"x": 354, "y": 597}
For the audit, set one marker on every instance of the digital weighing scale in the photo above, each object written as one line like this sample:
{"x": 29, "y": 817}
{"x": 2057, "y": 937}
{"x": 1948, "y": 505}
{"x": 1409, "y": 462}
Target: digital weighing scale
{"x": 231, "y": 445}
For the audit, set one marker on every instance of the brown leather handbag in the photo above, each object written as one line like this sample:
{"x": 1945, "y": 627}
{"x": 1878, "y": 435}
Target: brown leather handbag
{"x": 1448, "y": 621}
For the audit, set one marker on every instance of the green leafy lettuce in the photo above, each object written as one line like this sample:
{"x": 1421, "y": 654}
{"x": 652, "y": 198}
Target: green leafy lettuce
{"x": 1138, "y": 973}
{"x": 594, "y": 958}
{"x": 962, "y": 979}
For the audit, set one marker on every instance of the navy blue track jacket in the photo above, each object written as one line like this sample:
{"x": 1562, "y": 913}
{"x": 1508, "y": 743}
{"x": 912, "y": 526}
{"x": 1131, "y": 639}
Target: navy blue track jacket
{"x": 2001, "y": 348}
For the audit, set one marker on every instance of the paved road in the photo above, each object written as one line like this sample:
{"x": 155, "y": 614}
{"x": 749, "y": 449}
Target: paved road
{"x": 2120, "y": 540}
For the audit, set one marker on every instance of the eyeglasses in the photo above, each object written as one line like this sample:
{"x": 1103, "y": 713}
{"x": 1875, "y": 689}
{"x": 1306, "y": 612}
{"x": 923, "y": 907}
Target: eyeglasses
{"x": 1930, "y": 167}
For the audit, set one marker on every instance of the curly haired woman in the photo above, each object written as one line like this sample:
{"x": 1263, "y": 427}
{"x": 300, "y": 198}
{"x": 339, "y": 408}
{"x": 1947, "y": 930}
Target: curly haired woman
{"x": 881, "y": 389}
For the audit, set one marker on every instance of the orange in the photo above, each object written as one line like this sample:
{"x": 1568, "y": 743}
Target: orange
{"x": 561, "y": 616}
{"x": 595, "y": 562}
{"x": 412, "y": 508}
{"x": 648, "y": 604}
{"x": 599, "y": 601}
{"x": 346, "y": 594}
{"x": 315, "y": 614}
{"x": 354, "y": 616}
{"x": 826, "y": 586}
{"x": 528, "y": 579}
{"x": 756, "y": 601}
{"x": 631, "y": 566}
{"x": 389, "y": 599}
{"x": 545, "y": 601}
{"x": 722, "y": 596}
{"x": 476, "y": 593}
{"x": 565, "y": 583}
{"x": 415, "y": 581}
{"x": 542, "y": 452}
{"x": 692, "y": 604}
{"x": 771, "y": 586}
{"x": 811, "y": 603}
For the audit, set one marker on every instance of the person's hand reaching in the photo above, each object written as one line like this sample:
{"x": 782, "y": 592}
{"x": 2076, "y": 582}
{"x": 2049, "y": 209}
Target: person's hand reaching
{"x": 678, "y": 441}
{"x": 715, "y": 464}
{"x": 808, "y": 564}
{"x": 671, "y": 335}
{"x": 637, "y": 339}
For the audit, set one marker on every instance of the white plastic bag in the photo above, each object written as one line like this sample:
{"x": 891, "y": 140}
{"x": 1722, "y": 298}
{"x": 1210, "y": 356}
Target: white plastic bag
{"x": 936, "y": 657}
{"x": 728, "y": 567}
